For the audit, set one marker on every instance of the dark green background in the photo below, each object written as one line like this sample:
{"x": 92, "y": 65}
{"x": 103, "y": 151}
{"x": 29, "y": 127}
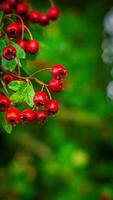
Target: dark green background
{"x": 71, "y": 156}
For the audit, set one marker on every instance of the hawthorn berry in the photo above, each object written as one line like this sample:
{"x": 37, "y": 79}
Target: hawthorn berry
{"x": 43, "y": 20}
{"x": 34, "y": 16}
{"x": 56, "y": 85}
{"x": 13, "y": 29}
{"x": 27, "y": 116}
{"x": 22, "y": 9}
{"x": 22, "y": 43}
{"x": 40, "y": 98}
{"x": 41, "y": 115}
{"x": 5, "y": 7}
{"x": 4, "y": 103}
{"x": 32, "y": 46}
{"x": 13, "y": 116}
{"x": 53, "y": 13}
{"x": 12, "y": 2}
{"x": 58, "y": 71}
{"x": 9, "y": 52}
{"x": 52, "y": 107}
{"x": 7, "y": 78}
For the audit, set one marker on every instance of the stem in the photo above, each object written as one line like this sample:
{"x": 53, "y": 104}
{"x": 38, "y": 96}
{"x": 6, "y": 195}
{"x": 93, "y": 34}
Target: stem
{"x": 38, "y": 81}
{"x": 50, "y": 97}
{"x": 41, "y": 70}
{"x": 19, "y": 70}
{"x": 20, "y": 20}
{"x": 42, "y": 88}
{"x": 52, "y": 3}
{"x": 30, "y": 34}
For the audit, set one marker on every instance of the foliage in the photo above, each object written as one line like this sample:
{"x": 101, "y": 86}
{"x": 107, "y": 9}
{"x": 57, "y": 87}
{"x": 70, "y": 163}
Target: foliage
{"x": 70, "y": 157}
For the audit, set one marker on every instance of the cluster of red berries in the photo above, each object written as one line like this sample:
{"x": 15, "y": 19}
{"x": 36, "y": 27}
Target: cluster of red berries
{"x": 43, "y": 104}
{"x": 49, "y": 107}
{"x": 33, "y": 16}
{"x": 14, "y": 29}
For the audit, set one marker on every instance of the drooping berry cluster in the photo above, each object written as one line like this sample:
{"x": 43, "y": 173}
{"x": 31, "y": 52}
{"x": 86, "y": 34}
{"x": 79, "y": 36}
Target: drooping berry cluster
{"x": 18, "y": 90}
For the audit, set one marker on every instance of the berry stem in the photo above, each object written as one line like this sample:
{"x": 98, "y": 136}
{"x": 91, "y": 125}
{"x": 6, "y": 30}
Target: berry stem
{"x": 37, "y": 81}
{"x": 30, "y": 34}
{"x": 52, "y": 3}
{"x": 41, "y": 70}
{"x": 50, "y": 97}
{"x": 18, "y": 66}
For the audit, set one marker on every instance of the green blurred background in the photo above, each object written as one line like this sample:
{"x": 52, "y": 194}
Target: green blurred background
{"x": 71, "y": 156}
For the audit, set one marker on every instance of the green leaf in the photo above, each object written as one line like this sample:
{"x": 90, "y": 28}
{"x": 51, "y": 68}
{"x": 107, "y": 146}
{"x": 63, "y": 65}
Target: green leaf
{"x": 9, "y": 65}
{"x": 6, "y": 126}
{"x": 20, "y": 53}
{"x": 16, "y": 85}
{"x": 24, "y": 91}
{"x": 1, "y": 16}
{"x": 2, "y": 45}
{"x": 29, "y": 95}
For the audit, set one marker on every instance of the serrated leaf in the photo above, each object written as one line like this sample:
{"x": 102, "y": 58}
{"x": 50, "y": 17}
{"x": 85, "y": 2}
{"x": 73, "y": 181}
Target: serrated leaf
{"x": 20, "y": 53}
{"x": 1, "y": 16}
{"x": 6, "y": 126}
{"x": 2, "y": 45}
{"x": 9, "y": 65}
{"x": 23, "y": 92}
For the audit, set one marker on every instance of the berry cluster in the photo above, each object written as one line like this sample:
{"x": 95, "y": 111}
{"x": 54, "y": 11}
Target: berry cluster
{"x": 18, "y": 91}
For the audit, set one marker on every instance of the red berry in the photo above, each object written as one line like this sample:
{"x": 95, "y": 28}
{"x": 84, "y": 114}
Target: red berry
{"x": 56, "y": 85}
{"x": 4, "y": 103}
{"x": 13, "y": 29}
{"x": 34, "y": 16}
{"x": 27, "y": 116}
{"x": 7, "y": 78}
{"x": 5, "y": 7}
{"x": 22, "y": 8}
{"x": 44, "y": 19}
{"x": 13, "y": 116}
{"x": 22, "y": 43}
{"x": 58, "y": 71}
{"x": 11, "y": 2}
{"x": 9, "y": 53}
{"x": 41, "y": 115}
{"x": 32, "y": 46}
{"x": 53, "y": 13}
{"x": 40, "y": 98}
{"x": 52, "y": 107}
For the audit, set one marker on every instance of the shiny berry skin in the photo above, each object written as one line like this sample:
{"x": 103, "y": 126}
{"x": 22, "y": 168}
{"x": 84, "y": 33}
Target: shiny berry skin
{"x": 34, "y": 16}
{"x": 4, "y": 103}
{"x": 7, "y": 78}
{"x": 40, "y": 98}
{"x": 9, "y": 53}
{"x": 52, "y": 107}
{"x": 44, "y": 20}
{"x": 53, "y": 13}
{"x": 13, "y": 30}
{"x": 13, "y": 116}
{"x": 56, "y": 85}
{"x": 27, "y": 116}
{"x": 22, "y": 9}
{"x": 22, "y": 43}
{"x": 32, "y": 46}
{"x": 41, "y": 116}
{"x": 5, "y": 7}
{"x": 58, "y": 71}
